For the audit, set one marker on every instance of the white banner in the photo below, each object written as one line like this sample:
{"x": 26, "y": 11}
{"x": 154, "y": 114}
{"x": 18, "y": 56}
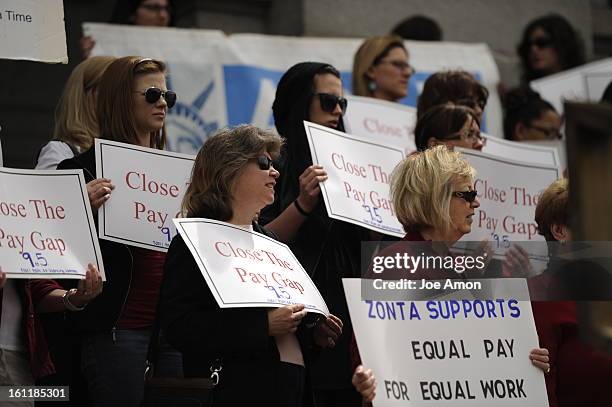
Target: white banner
{"x": 46, "y": 226}
{"x": 523, "y": 151}
{"x": 232, "y": 80}
{"x": 149, "y": 187}
{"x": 508, "y": 192}
{"x": 247, "y": 269}
{"x": 33, "y": 30}
{"x": 358, "y": 169}
{"x": 584, "y": 83}
{"x": 379, "y": 120}
{"x": 460, "y": 353}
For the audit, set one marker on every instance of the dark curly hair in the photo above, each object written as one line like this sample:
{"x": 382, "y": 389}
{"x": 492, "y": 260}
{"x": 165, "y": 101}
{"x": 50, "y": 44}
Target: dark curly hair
{"x": 522, "y": 105}
{"x": 566, "y": 42}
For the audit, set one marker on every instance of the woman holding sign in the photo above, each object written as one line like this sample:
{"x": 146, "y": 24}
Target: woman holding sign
{"x": 260, "y": 353}
{"x": 435, "y": 201}
{"x": 381, "y": 69}
{"x": 328, "y": 249}
{"x": 116, "y": 326}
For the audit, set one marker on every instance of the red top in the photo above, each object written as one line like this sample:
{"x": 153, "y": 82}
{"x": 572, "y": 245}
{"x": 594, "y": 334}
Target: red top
{"x": 579, "y": 375}
{"x": 139, "y": 310}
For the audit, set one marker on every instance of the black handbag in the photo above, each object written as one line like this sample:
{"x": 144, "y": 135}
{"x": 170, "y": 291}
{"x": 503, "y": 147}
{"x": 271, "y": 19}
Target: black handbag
{"x": 176, "y": 391}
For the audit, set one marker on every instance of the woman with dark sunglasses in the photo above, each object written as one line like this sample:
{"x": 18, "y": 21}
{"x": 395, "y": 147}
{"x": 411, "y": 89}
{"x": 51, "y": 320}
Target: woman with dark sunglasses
{"x": 115, "y": 327}
{"x": 263, "y": 352}
{"x": 328, "y": 249}
{"x": 435, "y": 201}
{"x": 549, "y": 45}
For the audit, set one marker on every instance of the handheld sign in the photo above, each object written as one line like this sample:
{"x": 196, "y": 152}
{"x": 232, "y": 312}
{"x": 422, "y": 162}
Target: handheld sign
{"x": 585, "y": 82}
{"x": 33, "y": 30}
{"x": 358, "y": 169}
{"x": 46, "y": 226}
{"x": 149, "y": 188}
{"x": 247, "y": 269}
{"x": 471, "y": 352}
{"x": 523, "y": 151}
{"x": 379, "y": 120}
{"x": 508, "y": 192}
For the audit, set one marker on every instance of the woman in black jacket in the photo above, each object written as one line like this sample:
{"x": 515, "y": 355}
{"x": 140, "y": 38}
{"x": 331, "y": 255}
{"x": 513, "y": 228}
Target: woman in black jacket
{"x": 116, "y": 326}
{"x": 328, "y": 249}
{"x": 263, "y": 352}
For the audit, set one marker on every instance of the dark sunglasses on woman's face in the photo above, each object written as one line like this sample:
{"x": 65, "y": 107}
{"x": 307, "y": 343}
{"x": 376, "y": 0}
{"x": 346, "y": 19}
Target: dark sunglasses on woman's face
{"x": 541, "y": 42}
{"x": 153, "y": 94}
{"x": 329, "y": 102}
{"x": 264, "y": 162}
{"x": 156, "y": 8}
{"x": 468, "y": 196}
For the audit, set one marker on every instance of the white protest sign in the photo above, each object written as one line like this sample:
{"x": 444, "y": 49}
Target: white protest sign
{"x": 508, "y": 191}
{"x": 358, "y": 169}
{"x": 46, "y": 226}
{"x": 149, "y": 188}
{"x": 586, "y": 82}
{"x": 247, "y": 269}
{"x": 379, "y": 120}
{"x": 469, "y": 352}
{"x": 33, "y": 30}
{"x": 522, "y": 151}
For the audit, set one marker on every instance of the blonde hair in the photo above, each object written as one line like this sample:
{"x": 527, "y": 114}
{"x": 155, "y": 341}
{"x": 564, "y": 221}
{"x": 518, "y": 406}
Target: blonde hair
{"x": 422, "y": 188}
{"x": 552, "y": 208}
{"x": 370, "y": 53}
{"x": 217, "y": 166}
{"x": 76, "y": 122}
{"x": 116, "y": 100}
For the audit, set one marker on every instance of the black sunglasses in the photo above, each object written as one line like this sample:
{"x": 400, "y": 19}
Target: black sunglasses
{"x": 264, "y": 162}
{"x": 329, "y": 102}
{"x": 541, "y": 42}
{"x": 156, "y": 8}
{"x": 153, "y": 94}
{"x": 468, "y": 196}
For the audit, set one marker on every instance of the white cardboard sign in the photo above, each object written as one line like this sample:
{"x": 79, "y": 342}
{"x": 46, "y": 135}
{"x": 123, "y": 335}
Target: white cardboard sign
{"x": 379, "y": 120}
{"x": 33, "y": 30}
{"x": 470, "y": 352}
{"x": 358, "y": 169}
{"x": 244, "y": 268}
{"x": 149, "y": 187}
{"x": 46, "y": 226}
{"x": 522, "y": 151}
{"x": 508, "y": 191}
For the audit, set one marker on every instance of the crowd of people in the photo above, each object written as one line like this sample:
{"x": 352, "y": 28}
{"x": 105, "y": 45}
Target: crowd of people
{"x": 95, "y": 337}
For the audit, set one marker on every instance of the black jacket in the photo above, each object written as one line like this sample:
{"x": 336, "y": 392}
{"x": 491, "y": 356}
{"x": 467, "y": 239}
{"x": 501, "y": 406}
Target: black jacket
{"x": 103, "y": 312}
{"x": 194, "y": 324}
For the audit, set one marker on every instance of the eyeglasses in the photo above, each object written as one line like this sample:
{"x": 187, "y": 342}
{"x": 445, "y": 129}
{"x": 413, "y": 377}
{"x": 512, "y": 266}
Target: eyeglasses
{"x": 551, "y": 134}
{"x": 153, "y": 94}
{"x": 541, "y": 42}
{"x": 329, "y": 102}
{"x": 472, "y": 136}
{"x": 264, "y": 162}
{"x": 468, "y": 196}
{"x": 156, "y": 8}
{"x": 400, "y": 65}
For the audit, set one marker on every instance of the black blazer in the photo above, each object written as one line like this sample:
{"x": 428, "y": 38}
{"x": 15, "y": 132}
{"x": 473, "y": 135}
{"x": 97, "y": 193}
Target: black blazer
{"x": 103, "y": 312}
{"x": 194, "y": 324}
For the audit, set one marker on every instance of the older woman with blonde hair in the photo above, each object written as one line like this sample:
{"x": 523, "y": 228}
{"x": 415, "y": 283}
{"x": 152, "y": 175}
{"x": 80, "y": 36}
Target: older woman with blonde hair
{"x": 233, "y": 178}
{"x": 435, "y": 201}
{"x": 381, "y": 69}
